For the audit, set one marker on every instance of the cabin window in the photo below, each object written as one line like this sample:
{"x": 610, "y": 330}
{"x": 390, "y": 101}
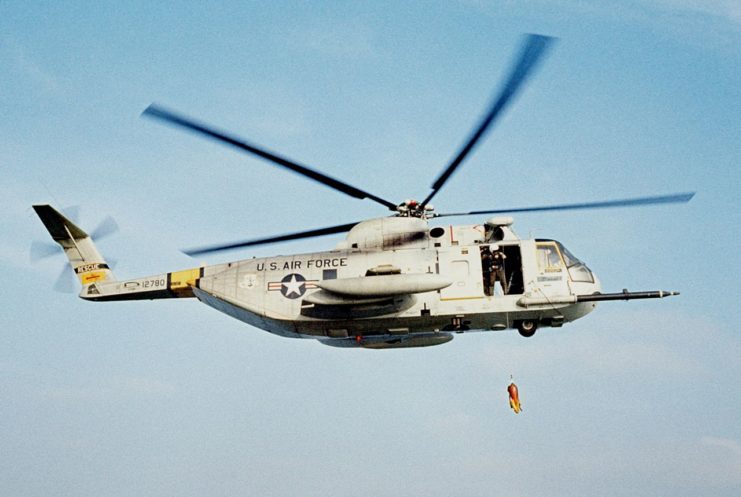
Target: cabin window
{"x": 329, "y": 274}
{"x": 437, "y": 232}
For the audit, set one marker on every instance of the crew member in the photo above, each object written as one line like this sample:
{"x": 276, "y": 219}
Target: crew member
{"x": 497, "y": 270}
{"x": 486, "y": 269}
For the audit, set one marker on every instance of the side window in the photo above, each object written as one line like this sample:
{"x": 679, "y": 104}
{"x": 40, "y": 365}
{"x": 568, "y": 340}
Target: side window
{"x": 549, "y": 259}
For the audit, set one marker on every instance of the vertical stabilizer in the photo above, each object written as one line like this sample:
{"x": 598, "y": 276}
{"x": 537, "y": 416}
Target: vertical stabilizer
{"x": 86, "y": 261}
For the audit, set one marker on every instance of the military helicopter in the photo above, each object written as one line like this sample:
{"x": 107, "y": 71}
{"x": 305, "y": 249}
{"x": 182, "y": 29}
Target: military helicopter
{"x": 394, "y": 281}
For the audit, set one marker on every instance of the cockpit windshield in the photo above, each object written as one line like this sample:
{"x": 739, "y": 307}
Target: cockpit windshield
{"x": 568, "y": 257}
{"x": 578, "y": 271}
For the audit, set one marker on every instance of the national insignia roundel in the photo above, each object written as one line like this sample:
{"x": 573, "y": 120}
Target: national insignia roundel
{"x": 293, "y": 286}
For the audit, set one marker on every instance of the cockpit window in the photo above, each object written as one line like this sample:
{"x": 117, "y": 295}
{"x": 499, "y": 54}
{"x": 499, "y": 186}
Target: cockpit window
{"x": 548, "y": 258}
{"x": 553, "y": 256}
{"x": 578, "y": 271}
{"x": 568, "y": 257}
{"x": 581, "y": 273}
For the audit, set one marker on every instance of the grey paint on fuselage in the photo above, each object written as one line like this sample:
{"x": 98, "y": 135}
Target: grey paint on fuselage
{"x": 267, "y": 292}
{"x": 405, "y": 257}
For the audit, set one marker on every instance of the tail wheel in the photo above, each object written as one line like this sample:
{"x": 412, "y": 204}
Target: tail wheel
{"x": 527, "y": 328}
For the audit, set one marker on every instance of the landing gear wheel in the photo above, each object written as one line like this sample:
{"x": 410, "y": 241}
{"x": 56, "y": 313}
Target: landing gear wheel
{"x": 527, "y": 328}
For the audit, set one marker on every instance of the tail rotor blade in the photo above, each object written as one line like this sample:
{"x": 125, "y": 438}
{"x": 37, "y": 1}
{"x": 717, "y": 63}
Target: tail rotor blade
{"x": 41, "y": 250}
{"x": 65, "y": 281}
{"x": 106, "y": 228}
{"x": 72, "y": 213}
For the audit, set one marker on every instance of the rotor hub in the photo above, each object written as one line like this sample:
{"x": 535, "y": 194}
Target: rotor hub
{"x": 413, "y": 208}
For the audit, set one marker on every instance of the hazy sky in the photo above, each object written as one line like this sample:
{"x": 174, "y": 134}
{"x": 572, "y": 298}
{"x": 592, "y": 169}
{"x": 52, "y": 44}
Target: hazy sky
{"x": 172, "y": 398}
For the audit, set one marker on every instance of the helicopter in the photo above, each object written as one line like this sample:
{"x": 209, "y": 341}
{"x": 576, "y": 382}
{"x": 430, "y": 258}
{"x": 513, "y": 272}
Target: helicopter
{"x": 394, "y": 281}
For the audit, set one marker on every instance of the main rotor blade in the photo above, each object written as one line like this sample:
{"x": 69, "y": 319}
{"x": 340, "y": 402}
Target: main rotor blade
{"x": 172, "y": 118}
{"x": 261, "y": 241}
{"x": 677, "y": 198}
{"x": 532, "y": 50}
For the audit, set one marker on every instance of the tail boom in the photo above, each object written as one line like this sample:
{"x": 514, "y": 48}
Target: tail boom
{"x": 178, "y": 284}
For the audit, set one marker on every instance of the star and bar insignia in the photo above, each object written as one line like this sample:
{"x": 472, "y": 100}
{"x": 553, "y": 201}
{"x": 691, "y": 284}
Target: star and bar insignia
{"x": 292, "y": 286}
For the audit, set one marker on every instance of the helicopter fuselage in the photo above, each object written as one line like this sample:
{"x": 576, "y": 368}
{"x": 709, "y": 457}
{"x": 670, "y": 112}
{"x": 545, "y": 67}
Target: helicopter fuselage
{"x": 394, "y": 282}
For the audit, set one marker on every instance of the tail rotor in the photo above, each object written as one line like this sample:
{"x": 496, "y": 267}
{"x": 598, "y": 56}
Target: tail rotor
{"x": 69, "y": 237}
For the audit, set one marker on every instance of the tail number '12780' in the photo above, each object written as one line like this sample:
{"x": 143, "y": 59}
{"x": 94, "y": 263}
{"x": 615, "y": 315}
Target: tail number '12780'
{"x": 154, "y": 283}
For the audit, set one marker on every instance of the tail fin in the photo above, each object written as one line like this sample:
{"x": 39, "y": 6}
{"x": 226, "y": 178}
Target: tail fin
{"x": 88, "y": 264}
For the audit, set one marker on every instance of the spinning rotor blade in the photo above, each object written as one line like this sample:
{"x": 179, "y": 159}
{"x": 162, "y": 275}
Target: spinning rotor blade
{"x": 281, "y": 238}
{"x": 107, "y": 227}
{"x": 65, "y": 281}
{"x": 72, "y": 212}
{"x": 676, "y": 198}
{"x": 532, "y": 50}
{"x": 41, "y": 250}
{"x": 172, "y": 118}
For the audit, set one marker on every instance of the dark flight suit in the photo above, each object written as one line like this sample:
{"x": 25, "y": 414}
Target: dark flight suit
{"x": 486, "y": 267}
{"x": 497, "y": 270}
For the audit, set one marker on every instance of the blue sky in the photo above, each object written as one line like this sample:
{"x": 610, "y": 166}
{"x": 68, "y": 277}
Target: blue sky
{"x": 163, "y": 398}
